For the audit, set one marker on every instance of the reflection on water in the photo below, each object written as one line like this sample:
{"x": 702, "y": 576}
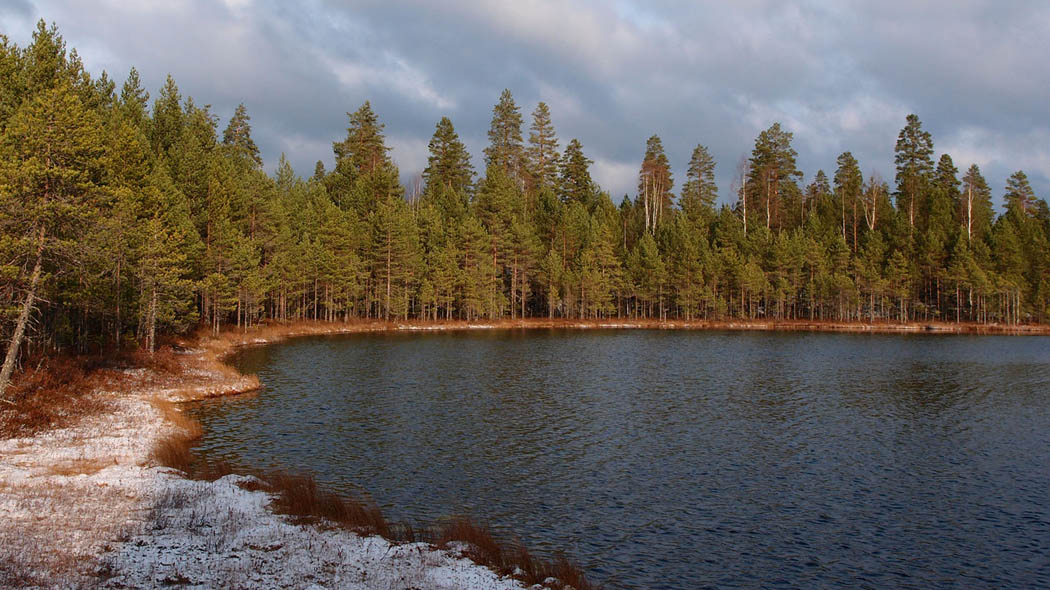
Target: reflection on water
{"x": 682, "y": 459}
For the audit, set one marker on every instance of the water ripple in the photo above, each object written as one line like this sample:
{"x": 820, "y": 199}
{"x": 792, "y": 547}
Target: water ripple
{"x": 683, "y": 460}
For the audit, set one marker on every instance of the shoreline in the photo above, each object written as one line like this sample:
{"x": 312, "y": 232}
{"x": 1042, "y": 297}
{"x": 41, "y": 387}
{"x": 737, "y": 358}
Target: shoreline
{"x": 77, "y": 501}
{"x": 90, "y": 503}
{"x": 277, "y": 331}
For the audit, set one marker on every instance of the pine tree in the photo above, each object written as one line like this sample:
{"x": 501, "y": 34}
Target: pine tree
{"x": 975, "y": 205}
{"x": 505, "y": 150}
{"x": 47, "y": 157}
{"x": 699, "y": 192}
{"x": 166, "y": 127}
{"x": 913, "y": 156}
{"x": 238, "y": 137}
{"x": 1019, "y": 196}
{"x": 46, "y": 63}
{"x": 849, "y": 182}
{"x": 134, "y": 101}
{"x": 542, "y": 153}
{"x": 939, "y": 208}
{"x": 364, "y": 150}
{"x": 773, "y": 172}
{"x": 12, "y": 83}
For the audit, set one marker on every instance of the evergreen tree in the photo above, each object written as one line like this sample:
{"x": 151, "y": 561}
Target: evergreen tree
{"x": 1019, "y": 197}
{"x": 699, "y": 192}
{"x": 849, "y": 182}
{"x": 975, "y": 204}
{"x": 773, "y": 173}
{"x": 449, "y": 175}
{"x": 238, "y": 137}
{"x": 654, "y": 183}
{"x": 574, "y": 183}
{"x": 166, "y": 127}
{"x": 542, "y": 153}
{"x": 364, "y": 150}
{"x": 505, "y": 150}
{"x": 12, "y": 84}
{"x": 913, "y": 156}
{"x": 47, "y": 157}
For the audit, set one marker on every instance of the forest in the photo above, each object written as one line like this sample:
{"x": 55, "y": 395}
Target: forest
{"x": 123, "y": 219}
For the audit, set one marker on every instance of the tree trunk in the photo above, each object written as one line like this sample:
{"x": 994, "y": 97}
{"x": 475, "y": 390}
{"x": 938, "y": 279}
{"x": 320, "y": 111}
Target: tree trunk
{"x": 151, "y": 334}
{"x": 23, "y": 319}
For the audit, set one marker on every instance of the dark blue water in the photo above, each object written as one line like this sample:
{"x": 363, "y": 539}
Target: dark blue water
{"x": 666, "y": 459}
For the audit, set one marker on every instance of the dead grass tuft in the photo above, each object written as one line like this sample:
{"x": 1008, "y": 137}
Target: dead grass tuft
{"x": 510, "y": 559}
{"x": 482, "y": 547}
{"x": 300, "y": 497}
{"x": 175, "y": 452}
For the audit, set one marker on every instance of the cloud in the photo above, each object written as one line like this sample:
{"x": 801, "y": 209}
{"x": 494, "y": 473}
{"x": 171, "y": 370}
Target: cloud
{"x": 839, "y": 75}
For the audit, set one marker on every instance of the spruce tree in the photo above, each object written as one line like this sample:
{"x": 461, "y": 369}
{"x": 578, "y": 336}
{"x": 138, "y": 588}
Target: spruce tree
{"x": 574, "y": 182}
{"x": 699, "y": 192}
{"x": 542, "y": 153}
{"x": 449, "y": 175}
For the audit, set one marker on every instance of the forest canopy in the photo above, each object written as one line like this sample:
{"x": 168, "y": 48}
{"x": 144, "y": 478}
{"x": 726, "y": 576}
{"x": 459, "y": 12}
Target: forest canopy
{"x": 124, "y": 215}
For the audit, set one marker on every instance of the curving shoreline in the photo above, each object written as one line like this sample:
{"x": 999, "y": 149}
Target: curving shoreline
{"x": 82, "y": 504}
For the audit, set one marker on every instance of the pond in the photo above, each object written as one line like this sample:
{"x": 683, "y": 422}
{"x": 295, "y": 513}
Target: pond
{"x": 680, "y": 459}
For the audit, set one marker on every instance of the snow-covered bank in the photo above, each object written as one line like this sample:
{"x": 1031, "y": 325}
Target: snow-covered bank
{"x": 68, "y": 495}
{"x": 219, "y": 535}
{"x": 86, "y": 505}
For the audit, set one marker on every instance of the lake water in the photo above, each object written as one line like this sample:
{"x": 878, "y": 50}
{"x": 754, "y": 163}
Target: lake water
{"x": 673, "y": 459}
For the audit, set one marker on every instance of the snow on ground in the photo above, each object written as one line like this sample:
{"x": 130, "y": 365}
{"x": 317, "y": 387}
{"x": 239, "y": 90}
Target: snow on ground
{"x": 218, "y": 535}
{"x": 83, "y": 506}
{"x": 68, "y": 494}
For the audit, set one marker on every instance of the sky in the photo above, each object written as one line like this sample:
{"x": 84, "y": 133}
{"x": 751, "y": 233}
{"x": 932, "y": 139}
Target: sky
{"x": 839, "y": 74}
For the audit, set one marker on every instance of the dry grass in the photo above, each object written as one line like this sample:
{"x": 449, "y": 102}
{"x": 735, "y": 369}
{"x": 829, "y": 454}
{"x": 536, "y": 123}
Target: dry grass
{"x": 54, "y": 393}
{"x": 175, "y": 450}
{"x": 300, "y": 497}
{"x": 79, "y": 467}
{"x": 510, "y": 559}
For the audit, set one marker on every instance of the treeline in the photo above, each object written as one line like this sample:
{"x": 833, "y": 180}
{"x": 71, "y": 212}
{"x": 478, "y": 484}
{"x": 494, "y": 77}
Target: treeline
{"x": 122, "y": 218}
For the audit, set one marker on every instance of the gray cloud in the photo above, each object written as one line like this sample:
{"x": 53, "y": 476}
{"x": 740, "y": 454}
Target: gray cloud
{"x": 840, "y": 75}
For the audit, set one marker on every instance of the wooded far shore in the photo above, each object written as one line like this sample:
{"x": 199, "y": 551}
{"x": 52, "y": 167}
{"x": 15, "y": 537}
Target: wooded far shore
{"x": 123, "y": 221}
